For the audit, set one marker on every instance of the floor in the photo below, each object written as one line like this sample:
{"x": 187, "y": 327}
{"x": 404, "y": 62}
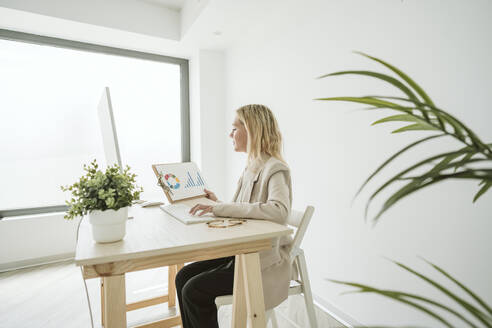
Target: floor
{"x": 53, "y": 295}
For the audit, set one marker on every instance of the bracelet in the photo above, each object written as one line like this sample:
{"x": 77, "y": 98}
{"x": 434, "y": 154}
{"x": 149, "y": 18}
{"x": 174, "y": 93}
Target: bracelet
{"x": 225, "y": 223}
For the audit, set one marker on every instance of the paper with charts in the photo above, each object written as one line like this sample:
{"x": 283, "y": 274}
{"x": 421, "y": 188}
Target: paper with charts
{"x": 180, "y": 180}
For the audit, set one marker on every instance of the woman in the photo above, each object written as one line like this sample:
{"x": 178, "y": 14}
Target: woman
{"x": 264, "y": 192}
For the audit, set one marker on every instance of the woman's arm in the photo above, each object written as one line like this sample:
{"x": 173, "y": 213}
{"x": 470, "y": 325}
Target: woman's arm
{"x": 211, "y": 195}
{"x": 276, "y": 208}
{"x": 201, "y": 209}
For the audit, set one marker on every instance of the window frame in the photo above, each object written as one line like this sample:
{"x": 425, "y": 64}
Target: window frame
{"x": 91, "y": 47}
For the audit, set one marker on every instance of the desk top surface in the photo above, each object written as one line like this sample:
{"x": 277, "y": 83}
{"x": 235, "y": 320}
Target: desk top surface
{"x": 153, "y": 232}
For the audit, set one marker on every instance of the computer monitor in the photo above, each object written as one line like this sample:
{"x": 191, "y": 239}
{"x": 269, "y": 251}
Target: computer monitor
{"x": 108, "y": 129}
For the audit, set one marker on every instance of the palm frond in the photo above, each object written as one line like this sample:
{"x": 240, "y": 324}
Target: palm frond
{"x": 397, "y": 177}
{"x": 416, "y": 127}
{"x": 420, "y": 182}
{"x": 400, "y": 118}
{"x": 373, "y": 101}
{"x": 433, "y": 116}
{"x": 486, "y": 186}
{"x": 472, "y": 310}
{"x": 393, "y": 157}
{"x": 463, "y": 287}
{"x": 423, "y": 115}
{"x": 398, "y": 295}
{"x": 380, "y": 76}
{"x": 464, "y": 160}
{"x": 459, "y": 127}
{"x": 425, "y": 122}
{"x": 405, "y": 77}
{"x": 364, "y": 288}
{"x": 407, "y": 298}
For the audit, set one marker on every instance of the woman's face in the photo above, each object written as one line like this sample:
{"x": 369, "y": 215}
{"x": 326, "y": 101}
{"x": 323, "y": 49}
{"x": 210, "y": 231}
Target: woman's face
{"x": 239, "y": 136}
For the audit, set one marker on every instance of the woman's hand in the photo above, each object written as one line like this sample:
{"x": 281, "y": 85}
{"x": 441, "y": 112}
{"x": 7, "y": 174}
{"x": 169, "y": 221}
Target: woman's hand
{"x": 210, "y": 195}
{"x": 200, "y": 207}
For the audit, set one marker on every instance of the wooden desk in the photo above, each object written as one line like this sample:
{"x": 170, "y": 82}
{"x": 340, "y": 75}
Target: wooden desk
{"x": 154, "y": 239}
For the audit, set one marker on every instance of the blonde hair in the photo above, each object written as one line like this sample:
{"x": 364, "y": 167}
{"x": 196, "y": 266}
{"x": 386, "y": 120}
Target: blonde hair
{"x": 263, "y": 132}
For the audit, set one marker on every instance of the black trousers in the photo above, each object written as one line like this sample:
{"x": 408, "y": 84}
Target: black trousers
{"x": 197, "y": 286}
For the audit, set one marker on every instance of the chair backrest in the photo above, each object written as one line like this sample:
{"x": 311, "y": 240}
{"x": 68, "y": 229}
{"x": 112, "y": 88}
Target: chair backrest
{"x": 301, "y": 221}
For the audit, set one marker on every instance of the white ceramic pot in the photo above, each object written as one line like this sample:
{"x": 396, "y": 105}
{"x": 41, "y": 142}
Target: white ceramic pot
{"x": 108, "y": 226}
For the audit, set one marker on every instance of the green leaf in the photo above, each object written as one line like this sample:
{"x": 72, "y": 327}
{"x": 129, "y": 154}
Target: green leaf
{"x": 443, "y": 166}
{"x": 450, "y": 120}
{"x": 396, "y": 298}
{"x": 463, "y": 161}
{"x": 402, "y": 192}
{"x": 405, "y": 77}
{"x": 380, "y": 76}
{"x": 425, "y": 300}
{"x": 463, "y": 150}
{"x": 419, "y": 183}
{"x": 369, "y": 101}
{"x": 482, "y": 190}
{"x": 458, "y": 127}
{"x": 389, "y": 160}
{"x": 416, "y": 127}
{"x": 469, "y": 307}
{"x": 426, "y": 123}
{"x": 397, "y": 118}
{"x": 467, "y": 290}
{"x": 444, "y": 162}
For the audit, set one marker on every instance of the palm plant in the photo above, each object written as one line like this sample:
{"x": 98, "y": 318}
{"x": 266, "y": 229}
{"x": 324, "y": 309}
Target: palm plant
{"x": 419, "y": 112}
{"x": 481, "y": 312}
{"x": 423, "y": 115}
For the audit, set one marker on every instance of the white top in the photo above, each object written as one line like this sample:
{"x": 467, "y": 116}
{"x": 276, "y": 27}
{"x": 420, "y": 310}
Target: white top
{"x": 153, "y": 232}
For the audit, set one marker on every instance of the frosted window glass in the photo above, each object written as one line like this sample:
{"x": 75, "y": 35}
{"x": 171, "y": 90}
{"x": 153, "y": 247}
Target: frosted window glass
{"x": 49, "y": 125}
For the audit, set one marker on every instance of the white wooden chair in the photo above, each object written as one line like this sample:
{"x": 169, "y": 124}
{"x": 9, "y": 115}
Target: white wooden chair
{"x": 300, "y": 220}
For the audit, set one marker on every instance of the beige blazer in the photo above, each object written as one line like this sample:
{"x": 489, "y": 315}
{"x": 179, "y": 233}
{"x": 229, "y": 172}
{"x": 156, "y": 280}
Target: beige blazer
{"x": 264, "y": 192}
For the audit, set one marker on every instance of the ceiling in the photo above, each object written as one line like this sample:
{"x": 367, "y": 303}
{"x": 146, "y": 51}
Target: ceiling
{"x": 170, "y": 4}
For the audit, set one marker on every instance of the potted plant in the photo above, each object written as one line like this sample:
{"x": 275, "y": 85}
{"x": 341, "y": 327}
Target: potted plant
{"x": 104, "y": 197}
{"x": 472, "y": 161}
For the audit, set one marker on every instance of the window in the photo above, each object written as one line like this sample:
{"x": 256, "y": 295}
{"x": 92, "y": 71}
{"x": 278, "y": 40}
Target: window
{"x": 49, "y": 123}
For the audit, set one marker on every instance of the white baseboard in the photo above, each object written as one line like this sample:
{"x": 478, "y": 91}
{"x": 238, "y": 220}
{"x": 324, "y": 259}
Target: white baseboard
{"x": 9, "y": 266}
{"x": 335, "y": 313}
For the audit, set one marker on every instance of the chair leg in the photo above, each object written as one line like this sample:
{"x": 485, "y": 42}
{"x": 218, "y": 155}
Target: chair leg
{"x": 306, "y": 286}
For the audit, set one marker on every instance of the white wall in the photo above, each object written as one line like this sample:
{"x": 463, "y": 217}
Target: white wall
{"x": 331, "y": 148}
{"x": 207, "y": 117}
{"x": 26, "y": 240}
{"x": 212, "y": 121}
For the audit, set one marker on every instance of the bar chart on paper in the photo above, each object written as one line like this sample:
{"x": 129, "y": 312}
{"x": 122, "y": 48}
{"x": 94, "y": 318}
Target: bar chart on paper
{"x": 190, "y": 182}
{"x": 183, "y": 180}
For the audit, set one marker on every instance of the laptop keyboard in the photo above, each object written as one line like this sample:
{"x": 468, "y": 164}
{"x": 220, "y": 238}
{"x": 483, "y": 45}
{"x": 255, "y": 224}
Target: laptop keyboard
{"x": 181, "y": 212}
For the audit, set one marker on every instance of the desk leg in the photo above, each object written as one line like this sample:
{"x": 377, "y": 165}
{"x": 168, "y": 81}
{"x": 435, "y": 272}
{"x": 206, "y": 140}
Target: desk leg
{"x": 253, "y": 289}
{"x": 102, "y": 301}
{"x": 114, "y": 301}
{"x": 238, "y": 296}
{"x": 171, "y": 285}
